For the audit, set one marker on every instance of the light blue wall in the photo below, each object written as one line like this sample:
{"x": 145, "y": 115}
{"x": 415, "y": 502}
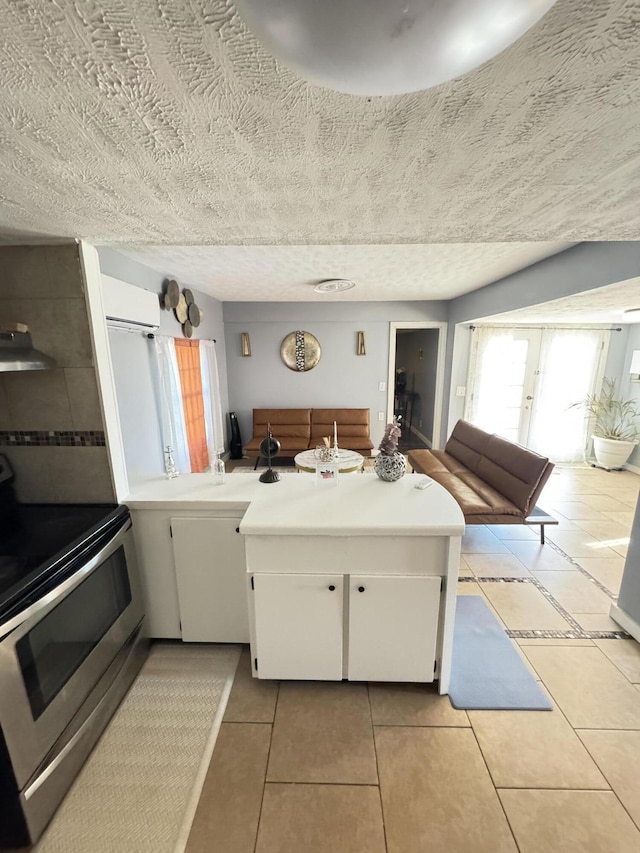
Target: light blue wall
{"x": 344, "y": 379}
{"x": 575, "y": 270}
{"x": 341, "y": 379}
{"x": 631, "y": 390}
{"x": 578, "y": 269}
{"x": 629, "y": 598}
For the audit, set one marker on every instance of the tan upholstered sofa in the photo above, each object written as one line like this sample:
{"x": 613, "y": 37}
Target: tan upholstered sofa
{"x": 493, "y": 480}
{"x": 302, "y": 429}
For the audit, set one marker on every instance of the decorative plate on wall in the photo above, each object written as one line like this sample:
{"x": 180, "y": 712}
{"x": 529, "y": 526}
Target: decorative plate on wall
{"x": 300, "y": 351}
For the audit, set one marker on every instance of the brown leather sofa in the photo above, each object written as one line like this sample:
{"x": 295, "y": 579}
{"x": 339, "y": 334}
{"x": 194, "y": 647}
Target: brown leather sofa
{"x": 493, "y": 480}
{"x": 302, "y": 429}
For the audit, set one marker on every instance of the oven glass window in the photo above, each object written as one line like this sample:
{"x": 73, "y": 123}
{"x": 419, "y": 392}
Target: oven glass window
{"x": 54, "y": 649}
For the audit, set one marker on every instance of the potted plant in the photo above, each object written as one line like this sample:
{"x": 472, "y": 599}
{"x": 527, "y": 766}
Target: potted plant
{"x": 616, "y": 427}
{"x": 390, "y": 464}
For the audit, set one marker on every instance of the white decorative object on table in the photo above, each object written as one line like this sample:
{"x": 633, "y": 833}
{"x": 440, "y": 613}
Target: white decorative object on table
{"x": 326, "y": 465}
{"x": 348, "y": 460}
{"x": 217, "y": 470}
{"x": 169, "y": 465}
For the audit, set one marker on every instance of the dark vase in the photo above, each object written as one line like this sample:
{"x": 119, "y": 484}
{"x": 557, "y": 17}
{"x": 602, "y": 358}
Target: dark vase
{"x": 235, "y": 446}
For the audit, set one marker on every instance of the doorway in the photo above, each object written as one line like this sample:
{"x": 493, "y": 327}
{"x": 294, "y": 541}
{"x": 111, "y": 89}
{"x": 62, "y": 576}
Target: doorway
{"x": 416, "y": 373}
{"x": 523, "y": 381}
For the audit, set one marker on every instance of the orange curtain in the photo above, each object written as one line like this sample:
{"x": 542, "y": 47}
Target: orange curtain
{"x": 188, "y": 356}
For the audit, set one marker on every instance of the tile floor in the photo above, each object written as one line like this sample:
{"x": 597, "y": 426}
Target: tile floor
{"x": 310, "y": 767}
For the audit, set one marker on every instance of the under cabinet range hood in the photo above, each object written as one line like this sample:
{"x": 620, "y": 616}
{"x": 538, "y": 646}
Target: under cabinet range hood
{"x": 17, "y": 353}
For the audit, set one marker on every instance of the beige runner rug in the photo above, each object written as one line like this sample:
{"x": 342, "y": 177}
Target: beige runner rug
{"x": 139, "y": 789}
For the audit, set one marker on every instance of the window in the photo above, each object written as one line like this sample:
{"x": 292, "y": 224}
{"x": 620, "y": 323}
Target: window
{"x": 189, "y": 401}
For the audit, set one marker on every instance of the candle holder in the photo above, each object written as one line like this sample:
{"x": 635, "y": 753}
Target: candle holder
{"x": 269, "y": 447}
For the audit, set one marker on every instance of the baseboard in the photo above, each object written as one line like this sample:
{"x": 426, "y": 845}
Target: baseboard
{"x": 419, "y": 435}
{"x": 630, "y": 625}
{"x": 635, "y": 469}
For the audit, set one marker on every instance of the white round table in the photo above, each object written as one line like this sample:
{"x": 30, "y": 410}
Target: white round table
{"x": 348, "y": 461}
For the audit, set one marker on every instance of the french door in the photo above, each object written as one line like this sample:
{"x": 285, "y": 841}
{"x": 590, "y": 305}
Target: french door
{"x": 503, "y": 374}
{"x": 522, "y": 382}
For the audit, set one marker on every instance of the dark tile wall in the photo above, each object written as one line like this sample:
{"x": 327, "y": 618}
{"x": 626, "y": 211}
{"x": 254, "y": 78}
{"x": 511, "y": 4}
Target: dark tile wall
{"x": 51, "y": 426}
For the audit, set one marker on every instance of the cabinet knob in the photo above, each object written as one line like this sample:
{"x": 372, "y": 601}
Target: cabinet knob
{"x": 332, "y": 587}
{"x": 360, "y": 589}
{"x": 237, "y": 530}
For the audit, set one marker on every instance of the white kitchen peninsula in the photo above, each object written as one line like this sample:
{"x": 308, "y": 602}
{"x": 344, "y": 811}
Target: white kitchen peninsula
{"x": 356, "y": 581}
{"x": 352, "y": 581}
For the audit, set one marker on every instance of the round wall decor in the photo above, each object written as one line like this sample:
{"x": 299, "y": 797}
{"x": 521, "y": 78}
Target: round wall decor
{"x": 300, "y": 351}
{"x": 183, "y": 304}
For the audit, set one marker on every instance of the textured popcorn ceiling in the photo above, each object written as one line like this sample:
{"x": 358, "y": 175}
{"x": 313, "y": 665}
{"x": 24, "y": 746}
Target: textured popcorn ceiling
{"x": 164, "y": 122}
{"x": 289, "y": 273}
{"x": 602, "y": 304}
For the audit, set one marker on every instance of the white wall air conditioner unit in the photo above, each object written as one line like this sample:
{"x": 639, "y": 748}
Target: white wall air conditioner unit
{"x": 129, "y": 307}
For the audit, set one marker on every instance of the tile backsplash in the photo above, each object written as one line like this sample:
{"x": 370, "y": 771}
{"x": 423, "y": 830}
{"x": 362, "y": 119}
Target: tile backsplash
{"x": 51, "y": 425}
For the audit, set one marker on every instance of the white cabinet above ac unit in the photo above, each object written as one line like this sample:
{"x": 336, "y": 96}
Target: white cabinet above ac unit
{"x": 128, "y": 306}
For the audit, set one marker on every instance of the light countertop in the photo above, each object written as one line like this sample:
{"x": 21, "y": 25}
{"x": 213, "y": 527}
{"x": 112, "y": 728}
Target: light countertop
{"x": 361, "y": 504}
{"x": 195, "y": 491}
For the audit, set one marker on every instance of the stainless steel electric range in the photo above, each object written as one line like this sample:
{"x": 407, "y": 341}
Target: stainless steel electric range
{"x": 71, "y": 643}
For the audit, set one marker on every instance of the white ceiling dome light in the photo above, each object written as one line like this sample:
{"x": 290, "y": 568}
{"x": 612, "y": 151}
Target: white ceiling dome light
{"x": 387, "y": 47}
{"x": 334, "y": 285}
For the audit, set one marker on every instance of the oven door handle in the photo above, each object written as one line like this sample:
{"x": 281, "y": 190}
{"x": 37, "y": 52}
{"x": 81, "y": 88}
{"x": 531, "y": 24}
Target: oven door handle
{"x": 34, "y": 612}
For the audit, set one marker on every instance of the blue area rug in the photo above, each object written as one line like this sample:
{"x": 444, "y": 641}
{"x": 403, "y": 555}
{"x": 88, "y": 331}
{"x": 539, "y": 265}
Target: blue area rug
{"x": 487, "y": 672}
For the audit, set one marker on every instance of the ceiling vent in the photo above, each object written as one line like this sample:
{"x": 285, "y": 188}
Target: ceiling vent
{"x": 334, "y": 285}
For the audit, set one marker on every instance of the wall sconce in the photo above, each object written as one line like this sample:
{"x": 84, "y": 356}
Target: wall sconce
{"x": 360, "y": 350}
{"x": 634, "y": 368}
{"x": 245, "y": 343}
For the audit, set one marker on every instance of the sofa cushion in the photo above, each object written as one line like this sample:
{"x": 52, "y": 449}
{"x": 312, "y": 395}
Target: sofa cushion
{"x": 471, "y": 503}
{"x": 434, "y": 461}
{"x": 289, "y": 445}
{"x": 285, "y": 423}
{"x": 352, "y": 426}
{"x": 495, "y": 502}
{"x": 292, "y": 428}
{"x": 467, "y": 444}
{"x": 512, "y": 470}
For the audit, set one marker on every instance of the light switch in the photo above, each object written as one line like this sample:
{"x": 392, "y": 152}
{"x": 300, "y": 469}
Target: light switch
{"x": 382, "y": 386}
{"x": 380, "y": 416}
{"x": 461, "y": 391}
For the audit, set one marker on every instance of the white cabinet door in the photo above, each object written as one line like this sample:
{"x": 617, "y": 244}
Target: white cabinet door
{"x": 211, "y": 578}
{"x": 298, "y": 624}
{"x": 393, "y": 625}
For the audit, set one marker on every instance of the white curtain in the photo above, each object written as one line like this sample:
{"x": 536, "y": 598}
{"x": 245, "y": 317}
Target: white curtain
{"x": 569, "y": 361}
{"x": 557, "y": 366}
{"x": 211, "y": 398}
{"x": 491, "y": 377}
{"x": 172, "y": 423}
